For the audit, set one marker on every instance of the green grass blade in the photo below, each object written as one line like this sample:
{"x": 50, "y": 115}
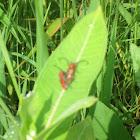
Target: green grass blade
{"x": 9, "y": 65}
{"x": 3, "y": 117}
{"x": 42, "y": 51}
{"x": 24, "y": 57}
{"x": 61, "y": 18}
{"x": 108, "y": 78}
{"x": 74, "y": 10}
{"x": 4, "y": 19}
{"x": 2, "y": 79}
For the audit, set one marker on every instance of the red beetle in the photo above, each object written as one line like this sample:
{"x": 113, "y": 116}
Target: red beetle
{"x": 62, "y": 78}
{"x": 70, "y": 73}
{"x": 66, "y": 78}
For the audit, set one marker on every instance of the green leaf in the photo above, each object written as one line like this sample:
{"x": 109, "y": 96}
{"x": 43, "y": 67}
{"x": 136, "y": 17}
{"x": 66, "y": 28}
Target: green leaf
{"x": 3, "y": 119}
{"x": 54, "y": 27}
{"x": 69, "y": 25}
{"x": 135, "y": 53}
{"x": 82, "y": 131}
{"x": 26, "y": 116}
{"x": 94, "y": 4}
{"x": 11, "y": 133}
{"x": 125, "y": 14}
{"x": 136, "y": 132}
{"x": 86, "y": 45}
{"x": 82, "y": 103}
{"x": 107, "y": 125}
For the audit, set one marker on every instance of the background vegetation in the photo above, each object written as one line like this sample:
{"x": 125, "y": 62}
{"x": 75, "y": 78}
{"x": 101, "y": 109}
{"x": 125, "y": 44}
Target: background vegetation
{"x": 31, "y": 31}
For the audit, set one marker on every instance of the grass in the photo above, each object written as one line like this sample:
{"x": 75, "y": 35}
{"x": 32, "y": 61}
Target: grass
{"x": 31, "y": 32}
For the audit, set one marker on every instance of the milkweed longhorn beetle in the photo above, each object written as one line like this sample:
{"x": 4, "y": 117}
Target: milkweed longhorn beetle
{"x": 66, "y": 78}
{"x": 62, "y": 78}
{"x": 70, "y": 73}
